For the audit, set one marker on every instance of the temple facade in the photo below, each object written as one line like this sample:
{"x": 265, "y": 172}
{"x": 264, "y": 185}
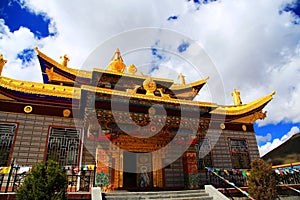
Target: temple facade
{"x": 141, "y": 132}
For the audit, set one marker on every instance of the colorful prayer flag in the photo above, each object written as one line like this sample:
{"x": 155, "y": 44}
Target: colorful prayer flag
{"x": 226, "y": 172}
{"x": 91, "y": 167}
{"x": 5, "y": 170}
{"x": 244, "y": 173}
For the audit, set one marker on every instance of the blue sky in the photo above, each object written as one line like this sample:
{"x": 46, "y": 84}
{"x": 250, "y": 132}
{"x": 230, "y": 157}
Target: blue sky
{"x": 256, "y": 52}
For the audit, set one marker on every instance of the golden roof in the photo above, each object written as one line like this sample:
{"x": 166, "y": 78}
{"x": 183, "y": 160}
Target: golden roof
{"x": 75, "y": 72}
{"x": 40, "y": 88}
{"x": 244, "y": 108}
{"x": 189, "y": 85}
{"x": 240, "y": 111}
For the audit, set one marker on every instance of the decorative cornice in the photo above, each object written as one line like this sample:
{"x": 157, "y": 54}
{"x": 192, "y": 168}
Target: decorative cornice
{"x": 40, "y": 88}
{"x": 147, "y": 97}
{"x": 189, "y": 85}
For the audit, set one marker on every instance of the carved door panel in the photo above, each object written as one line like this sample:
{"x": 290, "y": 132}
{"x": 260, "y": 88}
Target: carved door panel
{"x": 144, "y": 170}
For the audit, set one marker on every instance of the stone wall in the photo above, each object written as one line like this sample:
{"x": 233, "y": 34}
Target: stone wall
{"x": 31, "y": 135}
{"x": 221, "y": 151}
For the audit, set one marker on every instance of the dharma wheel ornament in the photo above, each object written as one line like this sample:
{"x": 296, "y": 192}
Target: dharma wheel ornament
{"x": 150, "y": 86}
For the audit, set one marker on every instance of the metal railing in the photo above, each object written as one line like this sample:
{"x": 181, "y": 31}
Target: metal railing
{"x": 83, "y": 180}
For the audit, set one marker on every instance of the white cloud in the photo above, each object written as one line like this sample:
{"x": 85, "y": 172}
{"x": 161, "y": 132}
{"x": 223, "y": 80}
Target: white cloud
{"x": 254, "y": 49}
{"x": 277, "y": 141}
{"x": 265, "y": 138}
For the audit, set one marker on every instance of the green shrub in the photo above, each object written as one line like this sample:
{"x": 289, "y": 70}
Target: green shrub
{"x": 262, "y": 181}
{"x": 46, "y": 181}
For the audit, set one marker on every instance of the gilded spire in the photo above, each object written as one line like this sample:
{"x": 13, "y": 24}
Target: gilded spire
{"x": 117, "y": 55}
{"x": 64, "y": 60}
{"x": 2, "y": 63}
{"x": 116, "y": 64}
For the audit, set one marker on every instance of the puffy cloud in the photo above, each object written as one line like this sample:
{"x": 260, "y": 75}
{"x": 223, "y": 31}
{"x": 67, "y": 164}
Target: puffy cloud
{"x": 266, "y": 138}
{"x": 277, "y": 141}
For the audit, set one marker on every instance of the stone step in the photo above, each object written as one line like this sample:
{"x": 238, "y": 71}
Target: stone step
{"x": 177, "y": 195}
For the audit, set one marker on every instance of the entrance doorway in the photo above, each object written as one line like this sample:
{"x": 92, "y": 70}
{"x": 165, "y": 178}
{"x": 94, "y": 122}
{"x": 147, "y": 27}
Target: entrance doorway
{"x": 129, "y": 170}
{"x": 137, "y": 171}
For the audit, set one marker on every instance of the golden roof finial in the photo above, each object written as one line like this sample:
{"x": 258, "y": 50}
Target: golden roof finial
{"x": 236, "y": 97}
{"x": 116, "y": 64}
{"x": 2, "y": 63}
{"x": 181, "y": 79}
{"x": 64, "y": 60}
{"x": 117, "y": 55}
{"x": 132, "y": 69}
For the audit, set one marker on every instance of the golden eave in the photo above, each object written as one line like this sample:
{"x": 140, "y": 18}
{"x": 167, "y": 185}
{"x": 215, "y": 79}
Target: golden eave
{"x": 40, "y": 88}
{"x": 147, "y": 97}
{"x": 189, "y": 85}
{"x": 76, "y": 72}
{"x": 245, "y": 108}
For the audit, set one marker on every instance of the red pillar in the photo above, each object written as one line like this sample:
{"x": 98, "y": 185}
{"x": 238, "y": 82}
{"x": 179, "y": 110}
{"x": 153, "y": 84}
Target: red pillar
{"x": 190, "y": 170}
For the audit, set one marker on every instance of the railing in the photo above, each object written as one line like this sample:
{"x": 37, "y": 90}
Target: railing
{"x": 12, "y": 179}
{"x": 228, "y": 182}
{"x": 287, "y": 178}
{"x": 82, "y": 181}
{"x": 208, "y": 178}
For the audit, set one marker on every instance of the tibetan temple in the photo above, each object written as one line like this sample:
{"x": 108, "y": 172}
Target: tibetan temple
{"x": 141, "y": 132}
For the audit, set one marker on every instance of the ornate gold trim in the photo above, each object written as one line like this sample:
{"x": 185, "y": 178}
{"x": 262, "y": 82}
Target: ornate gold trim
{"x": 40, "y": 88}
{"x": 189, "y": 85}
{"x": 250, "y": 119}
{"x": 142, "y": 96}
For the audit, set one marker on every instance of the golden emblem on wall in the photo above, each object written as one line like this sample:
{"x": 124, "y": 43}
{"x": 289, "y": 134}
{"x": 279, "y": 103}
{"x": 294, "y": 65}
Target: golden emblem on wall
{"x": 28, "y": 109}
{"x": 66, "y": 112}
{"x": 244, "y": 127}
{"x": 222, "y": 126}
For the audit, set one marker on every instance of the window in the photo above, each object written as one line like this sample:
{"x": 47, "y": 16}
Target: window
{"x": 63, "y": 146}
{"x": 7, "y": 132}
{"x": 239, "y": 154}
{"x": 204, "y": 154}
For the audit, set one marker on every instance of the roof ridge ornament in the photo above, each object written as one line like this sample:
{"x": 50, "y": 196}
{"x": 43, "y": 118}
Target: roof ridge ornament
{"x": 236, "y": 97}
{"x": 64, "y": 60}
{"x": 116, "y": 64}
{"x": 2, "y": 63}
{"x": 181, "y": 79}
{"x": 132, "y": 69}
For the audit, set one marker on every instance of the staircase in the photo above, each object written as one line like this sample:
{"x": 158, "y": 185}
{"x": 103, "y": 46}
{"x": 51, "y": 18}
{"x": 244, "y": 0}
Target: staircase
{"x": 182, "y": 195}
